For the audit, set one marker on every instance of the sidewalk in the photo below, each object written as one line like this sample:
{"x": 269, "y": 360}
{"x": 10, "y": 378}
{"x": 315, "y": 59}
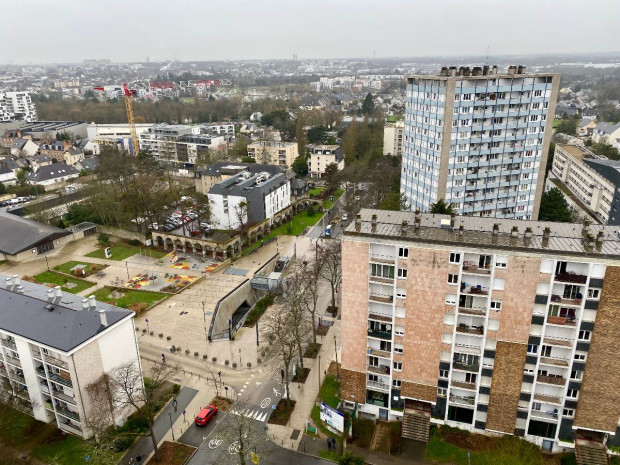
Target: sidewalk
{"x": 144, "y": 445}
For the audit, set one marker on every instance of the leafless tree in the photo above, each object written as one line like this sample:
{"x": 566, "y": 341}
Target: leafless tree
{"x": 331, "y": 269}
{"x": 213, "y": 375}
{"x": 280, "y": 333}
{"x": 130, "y": 390}
{"x": 102, "y": 405}
{"x": 310, "y": 276}
{"x": 295, "y": 298}
{"x": 241, "y": 215}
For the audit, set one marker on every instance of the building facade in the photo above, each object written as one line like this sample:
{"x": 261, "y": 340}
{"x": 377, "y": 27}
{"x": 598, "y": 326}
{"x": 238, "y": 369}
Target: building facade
{"x": 321, "y": 156}
{"x": 54, "y": 346}
{"x": 594, "y": 179}
{"x": 478, "y": 139}
{"x": 499, "y": 327}
{"x": 17, "y": 105}
{"x": 393, "y": 136}
{"x": 192, "y": 148}
{"x": 161, "y": 140}
{"x": 273, "y": 153}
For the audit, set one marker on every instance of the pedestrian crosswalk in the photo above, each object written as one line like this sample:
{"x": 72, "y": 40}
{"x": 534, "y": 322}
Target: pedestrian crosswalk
{"x": 255, "y": 413}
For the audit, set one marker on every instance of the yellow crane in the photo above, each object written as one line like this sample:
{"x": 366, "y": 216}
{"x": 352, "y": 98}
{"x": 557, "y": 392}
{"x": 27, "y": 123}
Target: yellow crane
{"x": 129, "y": 93}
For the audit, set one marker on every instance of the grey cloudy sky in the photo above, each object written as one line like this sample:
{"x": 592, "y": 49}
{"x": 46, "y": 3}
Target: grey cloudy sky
{"x": 40, "y": 31}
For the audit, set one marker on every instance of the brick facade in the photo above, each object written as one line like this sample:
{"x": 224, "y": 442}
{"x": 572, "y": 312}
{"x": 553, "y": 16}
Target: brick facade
{"x": 419, "y": 391}
{"x": 353, "y": 386}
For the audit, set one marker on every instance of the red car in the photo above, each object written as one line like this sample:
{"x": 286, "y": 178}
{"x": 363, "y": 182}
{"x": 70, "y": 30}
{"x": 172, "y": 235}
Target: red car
{"x": 194, "y": 233}
{"x": 205, "y": 415}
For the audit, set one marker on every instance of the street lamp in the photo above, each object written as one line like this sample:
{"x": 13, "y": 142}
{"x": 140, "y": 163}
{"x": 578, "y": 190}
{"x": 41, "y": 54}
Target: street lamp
{"x": 171, "y": 428}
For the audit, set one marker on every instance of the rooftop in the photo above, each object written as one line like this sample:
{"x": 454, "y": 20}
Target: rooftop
{"x": 564, "y": 238}
{"x": 480, "y": 72}
{"x": 60, "y": 322}
{"x": 18, "y": 234}
{"x": 226, "y": 167}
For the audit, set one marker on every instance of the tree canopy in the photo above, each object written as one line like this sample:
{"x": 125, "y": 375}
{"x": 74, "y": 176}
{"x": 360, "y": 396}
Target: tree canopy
{"x": 554, "y": 207}
{"x": 300, "y": 166}
{"x": 442, "y": 207}
{"x": 368, "y": 105}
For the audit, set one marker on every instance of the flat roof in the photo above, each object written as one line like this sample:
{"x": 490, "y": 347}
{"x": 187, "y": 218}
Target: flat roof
{"x": 565, "y": 238}
{"x": 64, "y": 328}
{"x": 573, "y": 150}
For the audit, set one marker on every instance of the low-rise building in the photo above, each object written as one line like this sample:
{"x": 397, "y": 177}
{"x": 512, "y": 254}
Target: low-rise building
{"x": 273, "y": 153}
{"x": 52, "y": 176}
{"x": 223, "y": 129}
{"x": 586, "y": 127}
{"x": 485, "y": 324}
{"x": 37, "y": 161}
{"x": 321, "y": 156}
{"x": 393, "y": 134}
{"x": 194, "y": 147}
{"x": 251, "y": 195}
{"x": 606, "y": 133}
{"x": 72, "y": 155}
{"x": 24, "y": 148}
{"x": 593, "y": 179}
{"x": 54, "y": 346}
{"x": 161, "y": 140}
{"x": 8, "y": 170}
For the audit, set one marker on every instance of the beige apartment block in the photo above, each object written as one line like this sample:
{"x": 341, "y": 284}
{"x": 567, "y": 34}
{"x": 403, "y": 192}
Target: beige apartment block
{"x": 499, "y": 326}
{"x": 273, "y": 153}
{"x": 393, "y": 134}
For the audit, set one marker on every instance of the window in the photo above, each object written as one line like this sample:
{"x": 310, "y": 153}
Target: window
{"x": 443, "y": 374}
{"x": 533, "y": 117}
{"x": 496, "y": 305}
{"x": 568, "y": 412}
{"x": 453, "y": 278}
{"x": 403, "y": 252}
{"x": 466, "y": 96}
{"x": 398, "y": 366}
{"x": 402, "y": 273}
{"x": 532, "y": 349}
{"x": 584, "y": 335}
{"x": 538, "y": 93}
{"x": 536, "y": 406}
{"x": 396, "y": 383}
{"x": 470, "y": 378}
{"x": 581, "y": 357}
{"x": 441, "y": 392}
{"x": 455, "y": 257}
{"x": 501, "y": 261}
{"x": 398, "y": 349}
{"x": 572, "y": 393}
{"x": 382, "y": 271}
{"x": 594, "y": 293}
{"x": 576, "y": 374}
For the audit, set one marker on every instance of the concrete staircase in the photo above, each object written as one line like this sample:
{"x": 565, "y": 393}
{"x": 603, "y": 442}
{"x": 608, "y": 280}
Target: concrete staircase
{"x": 590, "y": 452}
{"x": 381, "y": 439}
{"x": 416, "y": 425}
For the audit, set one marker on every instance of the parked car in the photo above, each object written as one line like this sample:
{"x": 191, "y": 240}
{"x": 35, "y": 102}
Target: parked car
{"x": 204, "y": 225}
{"x": 194, "y": 233}
{"x": 345, "y": 217}
{"x": 205, "y": 415}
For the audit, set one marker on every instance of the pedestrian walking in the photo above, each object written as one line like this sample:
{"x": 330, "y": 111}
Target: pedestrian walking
{"x": 138, "y": 459}
{"x": 174, "y": 403}
{"x": 163, "y": 358}
{"x": 131, "y": 462}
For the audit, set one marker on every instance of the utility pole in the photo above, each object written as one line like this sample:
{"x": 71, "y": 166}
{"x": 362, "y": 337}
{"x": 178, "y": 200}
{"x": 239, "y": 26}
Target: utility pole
{"x": 336, "y": 352}
{"x": 319, "y": 374}
{"x": 204, "y": 319}
{"x": 256, "y": 333}
{"x": 127, "y": 267}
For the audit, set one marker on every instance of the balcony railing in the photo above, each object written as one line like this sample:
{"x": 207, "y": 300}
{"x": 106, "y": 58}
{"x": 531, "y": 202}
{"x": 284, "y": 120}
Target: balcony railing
{"x": 380, "y": 317}
{"x": 558, "y": 299}
{"x": 378, "y": 385}
{"x": 68, "y": 413}
{"x": 16, "y": 377}
{"x": 462, "y": 400}
{"x": 381, "y": 279}
{"x": 475, "y": 290}
{"x": 13, "y": 361}
{"x": 468, "y": 348}
{"x": 463, "y": 328}
{"x": 48, "y": 405}
{"x": 68, "y": 426}
{"x": 379, "y": 370}
{"x": 571, "y": 277}
{"x": 464, "y": 385}
{"x": 557, "y": 341}
{"x": 550, "y": 415}
{"x": 465, "y": 366}
{"x": 548, "y": 399}
{"x": 381, "y": 298}
{"x": 41, "y": 372}
{"x": 378, "y": 258}
{"x": 555, "y": 380}
{"x": 561, "y": 362}
{"x": 471, "y": 268}
{"x": 57, "y": 362}
{"x": 561, "y": 320}
{"x": 37, "y": 355}
{"x": 9, "y": 344}
{"x": 62, "y": 396}
{"x": 60, "y": 380}
{"x": 478, "y": 311}
{"x": 379, "y": 353}
{"x": 380, "y": 334}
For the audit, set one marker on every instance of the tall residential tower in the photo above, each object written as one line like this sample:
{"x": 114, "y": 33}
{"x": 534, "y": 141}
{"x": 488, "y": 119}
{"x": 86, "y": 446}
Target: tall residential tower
{"x": 478, "y": 139}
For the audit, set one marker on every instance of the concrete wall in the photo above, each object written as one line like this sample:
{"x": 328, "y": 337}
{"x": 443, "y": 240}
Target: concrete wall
{"x": 226, "y": 218}
{"x": 226, "y": 307}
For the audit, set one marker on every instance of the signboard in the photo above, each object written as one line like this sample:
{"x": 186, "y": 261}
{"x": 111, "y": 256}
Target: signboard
{"x": 108, "y": 252}
{"x": 332, "y": 417}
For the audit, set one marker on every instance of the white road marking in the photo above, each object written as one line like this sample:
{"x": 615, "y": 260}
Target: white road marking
{"x": 266, "y": 402}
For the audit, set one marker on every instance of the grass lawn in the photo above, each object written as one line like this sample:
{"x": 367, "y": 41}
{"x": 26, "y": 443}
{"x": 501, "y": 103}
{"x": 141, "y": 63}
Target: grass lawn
{"x": 61, "y": 280}
{"x": 122, "y": 250}
{"x": 326, "y": 203}
{"x": 130, "y": 297}
{"x": 439, "y": 451}
{"x": 66, "y": 267}
{"x": 330, "y": 391}
{"x": 330, "y": 455}
{"x": 69, "y": 450}
{"x": 16, "y": 427}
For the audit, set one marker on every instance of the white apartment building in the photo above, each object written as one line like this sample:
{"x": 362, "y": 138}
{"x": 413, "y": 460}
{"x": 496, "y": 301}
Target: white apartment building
{"x": 161, "y": 140}
{"x": 17, "y": 105}
{"x": 478, "y": 139}
{"x": 593, "y": 179}
{"x": 115, "y": 135}
{"x": 191, "y": 147}
{"x": 54, "y": 346}
{"x": 223, "y": 129}
{"x": 393, "y": 136}
{"x": 321, "y": 156}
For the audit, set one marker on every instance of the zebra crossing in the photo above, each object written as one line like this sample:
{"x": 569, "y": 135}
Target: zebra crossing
{"x": 252, "y": 412}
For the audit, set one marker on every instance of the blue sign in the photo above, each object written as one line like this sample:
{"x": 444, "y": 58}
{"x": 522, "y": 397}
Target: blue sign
{"x": 273, "y": 407}
{"x": 87, "y": 458}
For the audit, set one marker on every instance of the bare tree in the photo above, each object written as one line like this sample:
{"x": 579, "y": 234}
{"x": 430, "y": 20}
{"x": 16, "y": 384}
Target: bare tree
{"x": 130, "y": 390}
{"x": 332, "y": 270}
{"x": 213, "y": 374}
{"x": 295, "y": 299}
{"x": 310, "y": 273}
{"x": 241, "y": 215}
{"x": 102, "y": 405}
{"x": 280, "y": 333}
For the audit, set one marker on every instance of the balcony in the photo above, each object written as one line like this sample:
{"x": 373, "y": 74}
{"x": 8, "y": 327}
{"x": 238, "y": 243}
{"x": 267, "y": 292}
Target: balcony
{"x": 380, "y": 298}
{"x": 561, "y": 321}
{"x": 57, "y": 362}
{"x": 464, "y": 385}
{"x": 387, "y": 259}
{"x": 378, "y": 317}
{"x": 549, "y": 415}
{"x": 378, "y": 385}
{"x": 387, "y": 335}
{"x": 48, "y": 405}
{"x": 556, "y": 341}
{"x": 463, "y": 328}
{"x": 477, "y": 311}
{"x": 571, "y": 277}
{"x": 45, "y": 388}
{"x": 475, "y": 290}
{"x": 558, "y": 299}
{"x": 379, "y": 353}
{"x": 68, "y": 413}
{"x": 560, "y": 362}
{"x": 380, "y": 370}
{"x": 70, "y": 427}
{"x": 16, "y": 377}
{"x": 60, "y": 380}
{"x": 556, "y": 380}
{"x": 469, "y": 267}
{"x": 381, "y": 280}
{"x": 548, "y": 399}
{"x": 12, "y": 361}
{"x": 37, "y": 355}
{"x": 62, "y": 396}
{"x": 473, "y": 367}
{"x": 467, "y": 348}
{"x": 41, "y": 372}
{"x": 462, "y": 400}
{"x": 8, "y": 343}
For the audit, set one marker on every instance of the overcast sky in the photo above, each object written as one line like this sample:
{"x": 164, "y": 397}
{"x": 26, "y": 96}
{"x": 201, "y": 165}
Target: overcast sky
{"x": 40, "y": 31}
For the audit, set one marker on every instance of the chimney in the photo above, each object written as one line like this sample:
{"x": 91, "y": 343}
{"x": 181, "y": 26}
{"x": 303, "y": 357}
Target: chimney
{"x": 528, "y": 232}
{"x": 92, "y": 303}
{"x": 599, "y": 237}
{"x": 452, "y": 217}
{"x": 495, "y": 229}
{"x": 9, "y": 282}
{"x": 16, "y": 280}
{"x": 103, "y": 317}
{"x": 58, "y": 291}
{"x": 466, "y": 71}
{"x": 494, "y": 69}
{"x": 50, "y": 295}
{"x": 512, "y": 70}
{"x": 460, "y": 71}
{"x": 84, "y": 304}
{"x": 20, "y": 289}
{"x": 444, "y": 71}
{"x": 418, "y": 215}
{"x": 358, "y": 222}
{"x": 590, "y": 240}
{"x": 515, "y": 231}
{"x": 546, "y": 235}
{"x": 477, "y": 71}
{"x": 586, "y": 225}
{"x": 461, "y": 229}
{"x": 485, "y": 70}
{"x": 452, "y": 71}
{"x": 521, "y": 69}
{"x": 404, "y": 226}
{"x": 373, "y": 223}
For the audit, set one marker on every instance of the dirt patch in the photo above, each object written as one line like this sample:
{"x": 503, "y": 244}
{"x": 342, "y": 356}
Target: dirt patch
{"x": 322, "y": 330}
{"x": 172, "y": 453}
{"x": 334, "y": 368}
{"x": 312, "y": 350}
{"x": 301, "y": 375}
{"x": 222, "y": 403}
{"x": 466, "y": 440}
{"x": 281, "y": 414}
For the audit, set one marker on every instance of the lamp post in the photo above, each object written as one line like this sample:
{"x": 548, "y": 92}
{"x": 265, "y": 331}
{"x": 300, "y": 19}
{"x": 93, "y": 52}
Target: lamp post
{"x": 171, "y": 428}
{"x": 47, "y": 263}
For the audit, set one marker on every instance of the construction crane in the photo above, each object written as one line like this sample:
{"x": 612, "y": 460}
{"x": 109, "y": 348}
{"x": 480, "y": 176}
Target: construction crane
{"x": 128, "y": 94}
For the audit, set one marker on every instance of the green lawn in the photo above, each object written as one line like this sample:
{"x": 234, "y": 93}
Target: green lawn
{"x": 66, "y": 267}
{"x": 131, "y": 296}
{"x": 330, "y": 391}
{"x": 122, "y": 250}
{"x": 439, "y": 451}
{"x": 326, "y": 203}
{"x": 71, "y": 450}
{"x": 61, "y": 280}
{"x": 15, "y": 426}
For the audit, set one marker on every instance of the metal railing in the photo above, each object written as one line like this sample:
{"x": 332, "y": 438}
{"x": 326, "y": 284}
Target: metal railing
{"x": 380, "y": 334}
{"x": 377, "y": 385}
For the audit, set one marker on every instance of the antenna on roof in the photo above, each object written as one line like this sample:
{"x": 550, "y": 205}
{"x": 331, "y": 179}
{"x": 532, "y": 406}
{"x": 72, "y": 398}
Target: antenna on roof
{"x": 488, "y": 47}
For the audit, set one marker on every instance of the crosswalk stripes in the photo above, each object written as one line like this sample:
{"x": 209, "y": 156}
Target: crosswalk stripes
{"x": 253, "y": 413}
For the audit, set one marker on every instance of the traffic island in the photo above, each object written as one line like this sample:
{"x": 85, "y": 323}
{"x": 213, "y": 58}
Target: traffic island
{"x": 282, "y": 412}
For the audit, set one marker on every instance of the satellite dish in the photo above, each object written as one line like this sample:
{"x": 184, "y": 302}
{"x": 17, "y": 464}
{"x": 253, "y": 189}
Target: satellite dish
{"x": 389, "y": 327}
